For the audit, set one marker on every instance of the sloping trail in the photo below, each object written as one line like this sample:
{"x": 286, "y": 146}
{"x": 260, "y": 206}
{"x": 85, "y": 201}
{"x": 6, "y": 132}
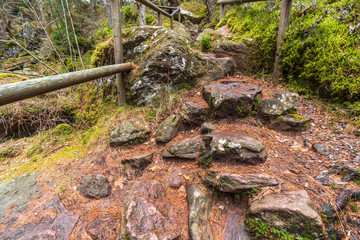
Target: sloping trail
{"x": 290, "y": 159}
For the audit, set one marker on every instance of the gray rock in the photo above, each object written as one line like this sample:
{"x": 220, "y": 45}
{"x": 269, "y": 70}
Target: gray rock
{"x": 282, "y": 103}
{"x": 234, "y": 146}
{"x": 175, "y": 177}
{"x": 184, "y": 149}
{"x": 20, "y": 222}
{"x": 238, "y": 51}
{"x": 292, "y": 211}
{"x": 290, "y": 123}
{"x": 94, "y": 186}
{"x": 207, "y": 128}
{"x": 140, "y": 162}
{"x": 148, "y": 214}
{"x": 199, "y": 212}
{"x": 132, "y": 130}
{"x": 321, "y": 148}
{"x": 231, "y": 98}
{"x": 234, "y": 183}
{"x": 193, "y": 112}
{"x": 227, "y": 65}
{"x": 205, "y": 32}
{"x": 168, "y": 129}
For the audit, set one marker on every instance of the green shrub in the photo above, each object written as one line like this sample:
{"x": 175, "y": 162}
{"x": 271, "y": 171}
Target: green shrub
{"x": 205, "y": 44}
{"x": 150, "y": 19}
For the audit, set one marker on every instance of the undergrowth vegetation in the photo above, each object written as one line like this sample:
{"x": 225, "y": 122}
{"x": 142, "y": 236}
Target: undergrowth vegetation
{"x": 320, "y": 52}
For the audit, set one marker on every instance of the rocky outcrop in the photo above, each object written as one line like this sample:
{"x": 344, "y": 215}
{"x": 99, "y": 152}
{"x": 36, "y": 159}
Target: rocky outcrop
{"x": 148, "y": 214}
{"x": 131, "y": 131}
{"x": 282, "y": 103}
{"x": 187, "y": 149}
{"x": 94, "y": 186}
{"x": 168, "y": 129}
{"x": 234, "y": 183}
{"x": 233, "y": 146}
{"x": 139, "y": 162}
{"x": 231, "y": 98}
{"x": 199, "y": 212}
{"x": 164, "y": 61}
{"x": 292, "y": 211}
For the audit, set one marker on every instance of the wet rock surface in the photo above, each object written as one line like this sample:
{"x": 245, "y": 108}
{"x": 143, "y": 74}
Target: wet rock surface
{"x": 184, "y": 149}
{"x": 139, "y": 162}
{"x": 168, "y": 129}
{"x": 148, "y": 214}
{"x": 199, "y": 212}
{"x": 133, "y": 130}
{"x": 292, "y": 211}
{"x": 234, "y": 183}
{"x": 94, "y": 186}
{"x": 231, "y": 98}
{"x": 233, "y": 146}
{"x": 282, "y": 103}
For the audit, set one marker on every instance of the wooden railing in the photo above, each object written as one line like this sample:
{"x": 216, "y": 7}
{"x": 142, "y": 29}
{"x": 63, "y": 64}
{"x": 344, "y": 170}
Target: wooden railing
{"x": 14, "y": 92}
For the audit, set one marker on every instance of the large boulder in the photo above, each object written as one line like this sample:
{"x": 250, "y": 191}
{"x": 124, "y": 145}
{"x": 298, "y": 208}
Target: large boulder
{"x": 168, "y": 129}
{"x": 199, "y": 212}
{"x": 282, "y": 103}
{"x": 187, "y": 149}
{"x": 148, "y": 214}
{"x": 130, "y": 131}
{"x": 164, "y": 60}
{"x": 292, "y": 211}
{"x": 233, "y": 146}
{"x": 229, "y": 98}
{"x": 234, "y": 183}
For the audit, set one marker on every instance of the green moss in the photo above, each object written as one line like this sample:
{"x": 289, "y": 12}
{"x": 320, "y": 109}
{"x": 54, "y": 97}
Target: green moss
{"x": 297, "y": 117}
{"x": 194, "y": 7}
{"x": 206, "y": 44}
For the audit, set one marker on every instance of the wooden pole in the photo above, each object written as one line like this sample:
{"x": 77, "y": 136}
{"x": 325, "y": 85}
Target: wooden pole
{"x": 284, "y": 22}
{"x": 172, "y": 22}
{"x": 222, "y": 11}
{"x": 179, "y": 16}
{"x": 118, "y": 50}
{"x": 159, "y": 19}
{"x": 14, "y": 92}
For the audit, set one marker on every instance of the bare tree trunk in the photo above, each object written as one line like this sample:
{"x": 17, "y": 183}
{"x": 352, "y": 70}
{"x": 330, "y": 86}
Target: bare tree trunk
{"x": 41, "y": 6}
{"x": 108, "y": 11}
{"x": 210, "y": 8}
{"x": 142, "y": 19}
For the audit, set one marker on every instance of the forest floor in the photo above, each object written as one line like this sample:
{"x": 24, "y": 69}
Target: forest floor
{"x": 291, "y": 159}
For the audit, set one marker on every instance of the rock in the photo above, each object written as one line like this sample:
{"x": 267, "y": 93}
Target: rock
{"x": 130, "y": 131}
{"x": 283, "y": 103}
{"x": 231, "y": 98}
{"x": 193, "y": 29}
{"x": 140, "y": 162}
{"x": 187, "y": 149}
{"x": 207, "y": 128}
{"x": 168, "y": 129}
{"x": 31, "y": 35}
{"x": 321, "y": 148}
{"x": 235, "y": 228}
{"x": 292, "y": 211}
{"x": 238, "y": 51}
{"x": 23, "y": 208}
{"x": 232, "y": 146}
{"x": 199, "y": 212}
{"x": 227, "y": 65}
{"x": 290, "y": 123}
{"x": 190, "y": 14}
{"x": 234, "y": 183}
{"x": 193, "y": 112}
{"x": 205, "y": 32}
{"x": 164, "y": 61}
{"x": 148, "y": 214}
{"x": 94, "y": 186}
{"x": 175, "y": 177}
